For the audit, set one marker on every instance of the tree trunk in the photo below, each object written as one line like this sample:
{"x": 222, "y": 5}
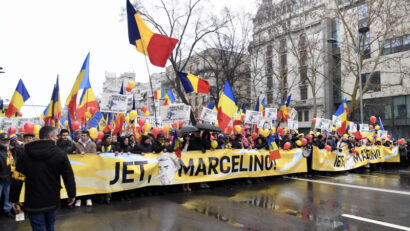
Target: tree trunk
{"x": 314, "y": 109}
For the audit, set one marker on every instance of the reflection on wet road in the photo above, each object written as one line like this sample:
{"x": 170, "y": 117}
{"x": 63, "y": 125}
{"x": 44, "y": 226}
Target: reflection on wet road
{"x": 281, "y": 203}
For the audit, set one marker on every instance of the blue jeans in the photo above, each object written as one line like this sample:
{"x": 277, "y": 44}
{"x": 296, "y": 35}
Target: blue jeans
{"x": 43, "y": 221}
{"x": 5, "y": 189}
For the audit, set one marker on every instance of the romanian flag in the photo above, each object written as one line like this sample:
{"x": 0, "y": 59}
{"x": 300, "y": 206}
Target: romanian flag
{"x": 159, "y": 94}
{"x": 87, "y": 100}
{"x": 53, "y": 114}
{"x": 212, "y": 106}
{"x": 380, "y": 124}
{"x": 118, "y": 123}
{"x": 288, "y": 100}
{"x": 71, "y": 101}
{"x": 175, "y": 145}
{"x": 19, "y": 97}
{"x": 133, "y": 102}
{"x": 169, "y": 97}
{"x": 157, "y": 47}
{"x": 342, "y": 113}
{"x": 240, "y": 115}
{"x": 226, "y": 106}
{"x": 283, "y": 111}
{"x": 260, "y": 106}
{"x": 193, "y": 83}
{"x": 273, "y": 149}
{"x": 70, "y": 126}
{"x": 122, "y": 88}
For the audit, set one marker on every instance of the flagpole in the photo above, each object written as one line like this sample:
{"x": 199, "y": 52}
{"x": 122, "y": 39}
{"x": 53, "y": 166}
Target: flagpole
{"x": 150, "y": 82}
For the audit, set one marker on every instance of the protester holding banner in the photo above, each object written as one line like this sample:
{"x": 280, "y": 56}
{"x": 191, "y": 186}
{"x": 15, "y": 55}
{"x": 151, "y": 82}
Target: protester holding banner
{"x": 85, "y": 144}
{"x": 64, "y": 143}
{"x": 106, "y": 145}
{"x": 145, "y": 146}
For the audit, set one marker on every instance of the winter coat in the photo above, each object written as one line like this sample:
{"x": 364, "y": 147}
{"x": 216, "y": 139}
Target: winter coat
{"x": 142, "y": 148}
{"x": 90, "y": 147}
{"x": 66, "y": 145}
{"x": 104, "y": 148}
{"x": 5, "y": 170}
{"x": 43, "y": 165}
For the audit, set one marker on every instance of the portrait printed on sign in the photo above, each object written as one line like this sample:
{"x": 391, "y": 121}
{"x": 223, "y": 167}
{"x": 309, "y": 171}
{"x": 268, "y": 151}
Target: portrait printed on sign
{"x": 168, "y": 164}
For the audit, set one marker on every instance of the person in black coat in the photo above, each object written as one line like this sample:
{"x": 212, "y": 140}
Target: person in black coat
{"x": 144, "y": 147}
{"x": 260, "y": 142}
{"x": 160, "y": 144}
{"x": 5, "y": 173}
{"x": 124, "y": 146}
{"x": 237, "y": 143}
{"x": 196, "y": 143}
{"x": 43, "y": 164}
{"x": 64, "y": 143}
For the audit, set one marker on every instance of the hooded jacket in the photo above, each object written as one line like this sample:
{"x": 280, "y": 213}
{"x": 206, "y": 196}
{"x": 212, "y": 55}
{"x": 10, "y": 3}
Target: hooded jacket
{"x": 43, "y": 164}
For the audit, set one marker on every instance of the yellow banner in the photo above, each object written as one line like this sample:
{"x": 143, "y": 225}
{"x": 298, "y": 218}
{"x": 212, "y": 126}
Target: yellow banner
{"x": 107, "y": 173}
{"x": 323, "y": 160}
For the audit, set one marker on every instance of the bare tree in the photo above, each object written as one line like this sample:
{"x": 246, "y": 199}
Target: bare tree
{"x": 225, "y": 56}
{"x": 387, "y": 20}
{"x": 188, "y": 22}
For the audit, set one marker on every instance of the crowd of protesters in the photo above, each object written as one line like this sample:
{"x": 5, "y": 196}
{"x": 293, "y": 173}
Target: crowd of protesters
{"x": 201, "y": 140}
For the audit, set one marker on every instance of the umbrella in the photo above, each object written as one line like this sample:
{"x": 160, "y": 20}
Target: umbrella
{"x": 208, "y": 127}
{"x": 187, "y": 129}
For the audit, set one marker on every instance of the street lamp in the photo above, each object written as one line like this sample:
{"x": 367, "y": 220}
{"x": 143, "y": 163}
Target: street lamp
{"x": 361, "y": 31}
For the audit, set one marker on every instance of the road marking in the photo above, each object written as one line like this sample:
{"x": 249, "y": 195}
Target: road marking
{"x": 377, "y": 222}
{"x": 353, "y": 186}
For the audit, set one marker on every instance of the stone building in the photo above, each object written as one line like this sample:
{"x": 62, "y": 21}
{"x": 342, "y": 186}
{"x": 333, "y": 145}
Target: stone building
{"x": 309, "y": 49}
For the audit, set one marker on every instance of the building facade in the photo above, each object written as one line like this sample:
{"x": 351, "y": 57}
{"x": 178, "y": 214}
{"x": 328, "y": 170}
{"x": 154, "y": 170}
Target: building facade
{"x": 309, "y": 49}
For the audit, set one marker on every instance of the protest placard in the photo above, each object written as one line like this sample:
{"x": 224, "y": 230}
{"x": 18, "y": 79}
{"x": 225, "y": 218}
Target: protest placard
{"x": 364, "y": 127}
{"x": 175, "y": 112}
{"x": 251, "y": 117}
{"x": 271, "y": 113}
{"x": 209, "y": 115}
{"x": 113, "y": 103}
{"x": 337, "y": 121}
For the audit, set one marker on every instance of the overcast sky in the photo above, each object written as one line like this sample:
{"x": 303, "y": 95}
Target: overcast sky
{"x": 42, "y": 38}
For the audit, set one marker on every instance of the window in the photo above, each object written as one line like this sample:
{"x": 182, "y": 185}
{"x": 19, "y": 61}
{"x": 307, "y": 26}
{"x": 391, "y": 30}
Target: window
{"x": 374, "y": 84}
{"x": 270, "y": 82}
{"x": 336, "y": 32}
{"x": 366, "y": 37}
{"x": 270, "y": 98}
{"x": 269, "y": 66}
{"x": 306, "y": 115}
{"x": 269, "y": 51}
{"x": 300, "y": 116}
{"x": 203, "y": 100}
{"x": 196, "y": 101}
{"x": 303, "y": 74}
{"x": 282, "y": 46}
{"x": 362, "y": 15}
{"x": 400, "y": 111}
{"x": 303, "y": 93}
{"x": 283, "y": 61}
{"x": 395, "y": 45}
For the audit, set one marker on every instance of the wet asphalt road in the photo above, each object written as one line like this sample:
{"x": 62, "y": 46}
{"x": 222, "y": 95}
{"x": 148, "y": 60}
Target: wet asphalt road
{"x": 280, "y": 203}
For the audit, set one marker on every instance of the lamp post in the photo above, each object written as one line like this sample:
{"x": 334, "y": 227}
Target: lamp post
{"x": 356, "y": 48}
